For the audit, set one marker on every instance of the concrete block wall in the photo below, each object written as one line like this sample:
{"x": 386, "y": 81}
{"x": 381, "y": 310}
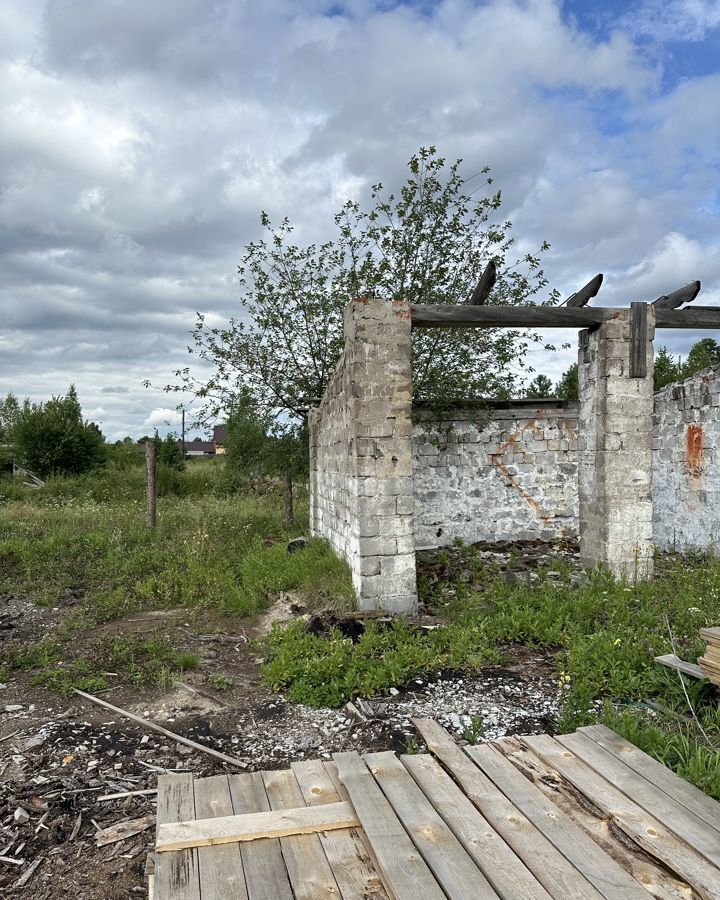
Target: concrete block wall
{"x": 510, "y": 475}
{"x": 361, "y": 457}
{"x": 615, "y": 450}
{"x": 686, "y": 464}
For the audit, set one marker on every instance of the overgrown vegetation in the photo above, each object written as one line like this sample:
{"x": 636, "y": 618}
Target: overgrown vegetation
{"x": 84, "y": 541}
{"x": 603, "y": 636}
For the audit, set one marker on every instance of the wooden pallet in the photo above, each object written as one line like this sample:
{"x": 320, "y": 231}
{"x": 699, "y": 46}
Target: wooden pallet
{"x": 586, "y": 815}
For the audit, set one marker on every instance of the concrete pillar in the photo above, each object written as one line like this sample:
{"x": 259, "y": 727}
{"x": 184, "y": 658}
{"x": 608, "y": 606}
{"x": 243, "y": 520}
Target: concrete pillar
{"x": 361, "y": 479}
{"x": 378, "y": 348}
{"x": 615, "y": 451}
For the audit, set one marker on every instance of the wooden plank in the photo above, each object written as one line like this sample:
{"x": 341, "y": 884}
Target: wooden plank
{"x": 586, "y": 293}
{"x": 403, "y": 870}
{"x": 448, "y": 315}
{"x": 638, "y": 339}
{"x": 643, "y": 828}
{"x": 601, "y": 870}
{"x": 674, "y": 816}
{"x": 507, "y": 874}
{"x": 251, "y": 826}
{"x": 711, "y": 634}
{"x": 655, "y": 772}
{"x": 308, "y": 868}
{"x": 552, "y": 870}
{"x": 484, "y": 285}
{"x": 332, "y": 771}
{"x": 674, "y": 662}
{"x": 682, "y": 295}
{"x": 352, "y": 866}
{"x": 176, "y": 874}
{"x": 456, "y": 872}
{"x": 266, "y": 877}
{"x": 221, "y": 871}
{"x": 152, "y": 726}
{"x": 648, "y": 871}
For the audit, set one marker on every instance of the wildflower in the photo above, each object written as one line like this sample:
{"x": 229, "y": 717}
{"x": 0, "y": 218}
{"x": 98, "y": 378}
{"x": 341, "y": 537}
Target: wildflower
{"x": 616, "y": 642}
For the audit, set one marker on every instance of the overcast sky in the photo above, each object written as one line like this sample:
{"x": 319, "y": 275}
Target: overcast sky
{"x": 140, "y": 140}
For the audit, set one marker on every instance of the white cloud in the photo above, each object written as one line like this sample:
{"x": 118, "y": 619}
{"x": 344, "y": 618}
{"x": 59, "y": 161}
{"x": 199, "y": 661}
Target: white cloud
{"x": 674, "y": 20}
{"x": 162, "y": 416}
{"x": 142, "y": 140}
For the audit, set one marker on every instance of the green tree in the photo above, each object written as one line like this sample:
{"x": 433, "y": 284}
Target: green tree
{"x": 168, "y": 452}
{"x": 428, "y": 244}
{"x": 667, "y": 369}
{"x": 567, "y": 387}
{"x": 703, "y": 355}
{"x": 539, "y": 387}
{"x": 53, "y": 439}
{"x": 9, "y": 413}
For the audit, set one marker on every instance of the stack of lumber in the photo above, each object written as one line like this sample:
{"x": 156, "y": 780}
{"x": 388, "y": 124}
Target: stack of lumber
{"x": 710, "y": 663}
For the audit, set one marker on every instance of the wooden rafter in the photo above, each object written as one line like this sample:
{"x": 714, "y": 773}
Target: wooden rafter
{"x": 682, "y": 295}
{"x": 586, "y": 293}
{"x": 485, "y": 285}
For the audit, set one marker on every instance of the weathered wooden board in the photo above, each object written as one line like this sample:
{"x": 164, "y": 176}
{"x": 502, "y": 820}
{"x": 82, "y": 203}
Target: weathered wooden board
{"x": 221, "y": 870}
{"x": 559, "y": 877}
{"x": 505, "y": 871}
{"x": 674, "y": 662}
{"x": 402, "y": 868}
{"x": 643, "y": 828}
{"x": 638, "y": 339}
{"x": 176, "y": 874}
{"x": 674, "y": 816}
{"x": 578, "y": 848}
{"x": 352, "y": 866}
{"x": 265, "y": 873}
{"x": 251, "y": 826}
{"x": 647, "y": 871}
{"x": 308, "y": 869}
{"x": 495, "y": 316}
{"x": 456, "y": 872}
{"x": 673, "y": 785}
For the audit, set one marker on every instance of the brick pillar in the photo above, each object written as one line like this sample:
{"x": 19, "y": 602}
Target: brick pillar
{"x": 615, "y": 451}
{"x": 377, "y": 334}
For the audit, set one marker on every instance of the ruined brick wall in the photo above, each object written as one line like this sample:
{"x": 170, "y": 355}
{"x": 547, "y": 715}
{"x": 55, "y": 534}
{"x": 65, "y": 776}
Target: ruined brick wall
{"x": 686, "y": 464}
{"x": 361, "y": 457}
{"x": 513, "y": 478}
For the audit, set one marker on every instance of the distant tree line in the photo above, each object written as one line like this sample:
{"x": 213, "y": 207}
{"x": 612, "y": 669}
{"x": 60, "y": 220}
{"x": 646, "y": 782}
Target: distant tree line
{"x": 668, "y": 369}
{"x": 50, "y": 438}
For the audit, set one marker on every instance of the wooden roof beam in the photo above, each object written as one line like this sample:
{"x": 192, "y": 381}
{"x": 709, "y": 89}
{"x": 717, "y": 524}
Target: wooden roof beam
{"x": 485, "y": 285}
{"x": 682, "y": 295}
{"x": 586, "y": 293}
{"x": 448, "y": 315}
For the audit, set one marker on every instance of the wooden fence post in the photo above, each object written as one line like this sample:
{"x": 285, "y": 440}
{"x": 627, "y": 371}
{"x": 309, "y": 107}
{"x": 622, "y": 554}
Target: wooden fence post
{"x": 151, "y": 484}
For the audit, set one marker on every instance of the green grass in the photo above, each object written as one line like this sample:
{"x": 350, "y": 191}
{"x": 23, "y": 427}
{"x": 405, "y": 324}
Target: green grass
{"x": 329, "y": 671}
{"x": 213, "y": 549}
{"x": 217, "y": 550}
{"x": 141, "y": 662}
{"x": 603, "y": 637}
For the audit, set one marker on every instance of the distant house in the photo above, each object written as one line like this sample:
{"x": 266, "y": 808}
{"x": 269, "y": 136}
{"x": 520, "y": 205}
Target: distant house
{"x": 219, "y": 439}
{"x": 199, "y": 448}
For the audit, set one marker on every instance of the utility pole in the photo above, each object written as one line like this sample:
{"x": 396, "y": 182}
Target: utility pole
{"x": 183, "y": 432}
{"x": 151, "y": 484}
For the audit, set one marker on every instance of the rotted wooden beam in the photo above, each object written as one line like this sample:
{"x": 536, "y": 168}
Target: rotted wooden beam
{"x": 682, "y": 295}
{"x": 586, "y": 293}
{"x": 485, "y": 285}
{"x": 638, "y": 339}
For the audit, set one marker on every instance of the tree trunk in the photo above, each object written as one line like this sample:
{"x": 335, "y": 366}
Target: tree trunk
{"x": 288, "y": 498}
